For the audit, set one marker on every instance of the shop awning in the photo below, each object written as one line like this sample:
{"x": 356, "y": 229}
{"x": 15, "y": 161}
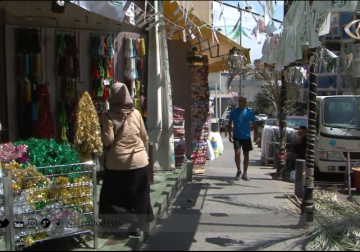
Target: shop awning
{"x": 205, "y": 42}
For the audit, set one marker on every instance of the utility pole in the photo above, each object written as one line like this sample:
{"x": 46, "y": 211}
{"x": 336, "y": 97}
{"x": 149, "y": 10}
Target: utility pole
{"x": 240, "y": 38}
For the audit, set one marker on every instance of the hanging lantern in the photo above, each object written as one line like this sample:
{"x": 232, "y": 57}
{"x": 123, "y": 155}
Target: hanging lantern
{"x": 194, "y": 58}
{"x": 235, "y": 59}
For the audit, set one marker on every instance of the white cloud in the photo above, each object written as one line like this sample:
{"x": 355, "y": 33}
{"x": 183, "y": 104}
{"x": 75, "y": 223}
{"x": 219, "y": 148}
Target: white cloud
{"x": 230, "y": 17}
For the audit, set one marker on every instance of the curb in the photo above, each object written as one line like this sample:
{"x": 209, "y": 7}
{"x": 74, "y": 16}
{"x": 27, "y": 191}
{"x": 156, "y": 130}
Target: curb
{"x": 173, "y": 184}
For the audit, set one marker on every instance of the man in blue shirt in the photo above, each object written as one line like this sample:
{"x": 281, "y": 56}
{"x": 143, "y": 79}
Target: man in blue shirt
{"x": 240, "y": 134}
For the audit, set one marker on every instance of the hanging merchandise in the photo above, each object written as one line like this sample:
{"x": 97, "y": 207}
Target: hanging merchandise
{"x": 200, "y": 115}
{"x": 87, "y": 128}
{"x": 67, "y": 74}
{"x": 102, "y": 72}
{"x": 44, "y": 128}
{"x": 28, "y": 72}
{"x": 135, "y": 53}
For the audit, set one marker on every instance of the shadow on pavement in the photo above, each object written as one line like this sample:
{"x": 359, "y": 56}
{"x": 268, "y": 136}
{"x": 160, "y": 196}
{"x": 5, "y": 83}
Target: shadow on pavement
{"x": 173, "y": 233}
{"x": 177, "y": 231}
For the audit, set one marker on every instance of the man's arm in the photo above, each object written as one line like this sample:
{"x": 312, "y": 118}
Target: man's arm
{"x": 230, "y": 128}
{"x": 252, "y": 119}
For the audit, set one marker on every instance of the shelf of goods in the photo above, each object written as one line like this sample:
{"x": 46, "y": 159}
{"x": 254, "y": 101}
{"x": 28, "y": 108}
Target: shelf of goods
{"x": 179, "y": 135}
{"x": 45, "y": 202}
{"x": 200, "y": 116}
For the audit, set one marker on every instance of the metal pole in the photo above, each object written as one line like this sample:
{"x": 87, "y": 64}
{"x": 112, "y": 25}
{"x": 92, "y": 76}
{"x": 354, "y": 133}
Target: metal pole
{"x": 151, "y": 162}
{"x": 240, "y": 81}
{"x": 299, "y": 178}
{"x": 215, "y": 108}
{"x": 189, "y": 171}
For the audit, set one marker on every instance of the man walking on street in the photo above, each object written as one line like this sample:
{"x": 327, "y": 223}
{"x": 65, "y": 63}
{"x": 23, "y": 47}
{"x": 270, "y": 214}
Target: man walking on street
{"x": 240, "y": 134}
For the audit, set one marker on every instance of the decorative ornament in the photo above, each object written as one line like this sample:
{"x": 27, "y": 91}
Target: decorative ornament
{"x": 28, "y": 241}
{"x": 44, "y": 124}
{"x": 87, "y": 128}
{"x": 43, "y": 153}
{"x": 9, "y": 152}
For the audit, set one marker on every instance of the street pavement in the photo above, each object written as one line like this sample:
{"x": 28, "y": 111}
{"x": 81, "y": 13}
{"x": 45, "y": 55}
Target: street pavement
{"x": 217, "y": 213}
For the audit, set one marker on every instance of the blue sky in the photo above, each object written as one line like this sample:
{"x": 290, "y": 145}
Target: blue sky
{"x": 231, "y": 15}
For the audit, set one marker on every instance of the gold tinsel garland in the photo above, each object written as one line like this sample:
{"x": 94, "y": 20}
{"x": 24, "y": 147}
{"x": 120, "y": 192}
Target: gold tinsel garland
{"x": 87, "y": 128}
{"x": 40, "y": 188}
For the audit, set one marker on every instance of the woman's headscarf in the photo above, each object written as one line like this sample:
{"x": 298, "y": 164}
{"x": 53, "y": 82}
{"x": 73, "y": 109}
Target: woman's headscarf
{"x": 121, "y": 104}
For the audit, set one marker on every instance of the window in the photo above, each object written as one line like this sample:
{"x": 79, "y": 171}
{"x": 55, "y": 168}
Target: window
{"x": 335, "y": 20}
{"x": 335, "y": 31}
{"x": 341, "y": 112}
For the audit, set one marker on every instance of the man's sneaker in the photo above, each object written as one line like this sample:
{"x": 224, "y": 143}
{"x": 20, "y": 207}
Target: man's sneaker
{"x": 245, "y": 177}
{"x": 238, "y": 174}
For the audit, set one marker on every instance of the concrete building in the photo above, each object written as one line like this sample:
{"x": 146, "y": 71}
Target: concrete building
{"x": 222, "y": 95}
{"x": 334, "y": 81}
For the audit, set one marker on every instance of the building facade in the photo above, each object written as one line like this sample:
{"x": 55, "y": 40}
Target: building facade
{"x": 334, "y": 80}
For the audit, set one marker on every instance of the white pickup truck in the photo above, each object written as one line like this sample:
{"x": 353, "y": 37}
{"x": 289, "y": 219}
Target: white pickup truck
{"x": 337, "y": 133}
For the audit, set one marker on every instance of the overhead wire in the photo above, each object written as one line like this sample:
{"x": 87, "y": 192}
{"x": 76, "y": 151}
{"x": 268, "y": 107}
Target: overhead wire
{"x": 241, "y": 9}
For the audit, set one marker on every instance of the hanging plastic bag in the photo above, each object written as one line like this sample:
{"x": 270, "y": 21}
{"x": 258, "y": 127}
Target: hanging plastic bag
{"x": 270, "y": 28}
{"x": 312, "y": 37}
{"x": 323, "y": 23}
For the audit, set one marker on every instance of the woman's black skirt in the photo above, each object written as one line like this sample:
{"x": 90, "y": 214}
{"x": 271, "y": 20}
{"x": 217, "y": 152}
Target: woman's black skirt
{"x": 125, "y": 197}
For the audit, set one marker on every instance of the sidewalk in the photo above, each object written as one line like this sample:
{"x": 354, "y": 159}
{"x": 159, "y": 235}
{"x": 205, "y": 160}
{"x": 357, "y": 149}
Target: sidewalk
{"x": 217, "y": 213}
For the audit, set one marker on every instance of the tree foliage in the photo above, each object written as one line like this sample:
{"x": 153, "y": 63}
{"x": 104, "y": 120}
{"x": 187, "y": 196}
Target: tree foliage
{"x": 268, "y": 100}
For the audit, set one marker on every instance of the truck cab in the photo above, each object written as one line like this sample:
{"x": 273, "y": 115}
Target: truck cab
{"x": 337, "y": 133}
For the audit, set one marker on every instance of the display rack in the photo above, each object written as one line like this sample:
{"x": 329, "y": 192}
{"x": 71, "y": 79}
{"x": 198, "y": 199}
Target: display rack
{"x": 65, "y": 194}
{"x": 200, "y": 115}
{"x": 179, "y": 135}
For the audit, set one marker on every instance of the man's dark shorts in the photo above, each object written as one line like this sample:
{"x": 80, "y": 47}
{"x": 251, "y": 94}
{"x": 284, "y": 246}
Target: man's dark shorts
{"x": 244, "y": 144}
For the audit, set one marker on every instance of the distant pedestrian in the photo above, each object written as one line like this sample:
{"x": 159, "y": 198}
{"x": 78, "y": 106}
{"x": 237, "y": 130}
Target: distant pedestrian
{"x": 241, "y": 117}
{"x": 126, "y": 187}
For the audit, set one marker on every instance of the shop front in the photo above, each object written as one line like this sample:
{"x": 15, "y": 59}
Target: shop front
{"x": 56, "y": 74}
{"x": 189, "y": 77}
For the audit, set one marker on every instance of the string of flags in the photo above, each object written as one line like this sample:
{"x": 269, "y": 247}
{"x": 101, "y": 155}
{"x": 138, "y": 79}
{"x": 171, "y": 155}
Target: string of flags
{"x": 146, "y": 18}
